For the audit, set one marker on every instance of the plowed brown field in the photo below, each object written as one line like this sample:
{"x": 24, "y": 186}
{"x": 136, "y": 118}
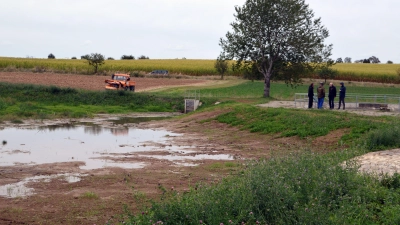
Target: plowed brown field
{"x": 92, "y": 82}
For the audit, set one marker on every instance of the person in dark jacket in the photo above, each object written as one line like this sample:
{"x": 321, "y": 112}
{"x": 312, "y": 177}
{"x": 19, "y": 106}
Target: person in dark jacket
{"x": 342, "y": 95}
{"x": 310, "y": 95}
{"x": 332, "y": 95}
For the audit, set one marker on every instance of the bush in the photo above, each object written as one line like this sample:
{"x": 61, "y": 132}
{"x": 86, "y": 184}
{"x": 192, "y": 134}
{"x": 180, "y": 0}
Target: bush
{"x": 110, "y": 58}
{"x": 384, "y": 138}
{"x": 73, "y": 57}
{"x": 51, "y": 56}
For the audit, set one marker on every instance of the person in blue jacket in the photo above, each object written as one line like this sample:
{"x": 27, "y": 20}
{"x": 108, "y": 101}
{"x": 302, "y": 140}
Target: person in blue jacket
{"x": 342, "y": 95}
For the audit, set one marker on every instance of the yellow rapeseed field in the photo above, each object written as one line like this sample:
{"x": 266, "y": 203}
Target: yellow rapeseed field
{"x": 352, "y": 71}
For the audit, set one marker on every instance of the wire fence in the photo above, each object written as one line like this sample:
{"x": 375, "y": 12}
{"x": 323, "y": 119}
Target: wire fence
{"x": 356, "y": 101}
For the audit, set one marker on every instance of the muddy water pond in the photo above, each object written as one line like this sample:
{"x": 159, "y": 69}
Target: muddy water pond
{"x": 91, "y": 145}
{"x": 95, "y": 145}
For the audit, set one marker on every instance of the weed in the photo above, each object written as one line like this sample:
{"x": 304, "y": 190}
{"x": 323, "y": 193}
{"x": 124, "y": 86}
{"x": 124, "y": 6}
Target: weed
{"x": 90, "y": 195}
{"x": 17, "y": 121}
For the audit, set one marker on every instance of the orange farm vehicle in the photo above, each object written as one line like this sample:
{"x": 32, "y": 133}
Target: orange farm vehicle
{"x": 120, "y": 82}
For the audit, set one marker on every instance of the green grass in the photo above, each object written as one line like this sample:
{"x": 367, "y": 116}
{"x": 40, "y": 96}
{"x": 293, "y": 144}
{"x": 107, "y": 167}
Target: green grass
{"x": 23, "y": 101}
{"x": 90, "y": 195}
{"x": 279, "y": 90}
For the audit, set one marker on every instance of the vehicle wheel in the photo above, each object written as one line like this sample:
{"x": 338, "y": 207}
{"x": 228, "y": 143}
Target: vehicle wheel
{"x": 126, "y": 88}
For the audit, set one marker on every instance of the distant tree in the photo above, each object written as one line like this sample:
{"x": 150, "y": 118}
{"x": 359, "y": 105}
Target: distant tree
{"x": 143, "y": 57}
{"x": 221, "y": 65}
{"x": 110, "y": 58}
{"x": 280, "y": 37}
{"x": 326, "y": 72}
{"x": 366, "y": 61}
{"x": 339, "y": 60}
{"x": 389, "y": 62}
{"x": 347, "y": 60}
{"x": 51, "y": 56}
{"x": 128, "y": 57}
{"x": 87, "y": 56}
{"x": 95, "y": 60}
{"x": 73, "y": 57}
{"x": 374, "y": 59}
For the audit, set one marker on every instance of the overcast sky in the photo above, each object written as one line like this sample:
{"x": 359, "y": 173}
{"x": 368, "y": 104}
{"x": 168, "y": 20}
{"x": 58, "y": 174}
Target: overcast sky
{"x": 168, "y": 29}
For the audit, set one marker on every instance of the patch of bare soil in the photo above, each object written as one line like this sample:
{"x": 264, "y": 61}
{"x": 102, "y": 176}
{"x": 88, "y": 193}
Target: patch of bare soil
{"x": 92, "y": 82}
{"x": 380, "y": 163}
{"x": 330, "y": 141}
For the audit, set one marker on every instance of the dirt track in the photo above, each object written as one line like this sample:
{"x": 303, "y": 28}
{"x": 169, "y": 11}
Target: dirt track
{"x": 93, "y": 82}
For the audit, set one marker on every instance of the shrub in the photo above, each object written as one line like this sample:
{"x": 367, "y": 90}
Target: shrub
{"x": 73, "y": 57}
{"x": 51, "y": 56}
{"x": 384, "y": 138}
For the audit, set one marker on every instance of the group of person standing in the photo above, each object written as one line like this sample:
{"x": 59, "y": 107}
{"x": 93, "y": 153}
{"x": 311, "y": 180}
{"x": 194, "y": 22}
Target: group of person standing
{"x": 331, "y": 95}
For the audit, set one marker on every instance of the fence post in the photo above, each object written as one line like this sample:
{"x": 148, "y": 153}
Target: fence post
{"x": 295, "y": 99}
{"x": 356, "y": 101}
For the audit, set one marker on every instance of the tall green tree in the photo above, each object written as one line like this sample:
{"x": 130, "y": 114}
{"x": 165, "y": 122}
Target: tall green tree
{"x": 281, "y": 37}
{"x": 95, "y": 60}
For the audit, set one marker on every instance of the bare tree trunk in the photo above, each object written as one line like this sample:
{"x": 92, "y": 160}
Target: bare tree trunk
{"x": 267, "y": 86}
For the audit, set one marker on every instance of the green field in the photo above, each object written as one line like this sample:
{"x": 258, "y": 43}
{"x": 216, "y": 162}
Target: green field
{"x": 385, "y": 73}
{"x": 279, "y": 90}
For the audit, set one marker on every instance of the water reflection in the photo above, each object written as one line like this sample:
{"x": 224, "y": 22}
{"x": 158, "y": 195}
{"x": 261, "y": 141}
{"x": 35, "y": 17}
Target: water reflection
{"x": 89, "y": 128}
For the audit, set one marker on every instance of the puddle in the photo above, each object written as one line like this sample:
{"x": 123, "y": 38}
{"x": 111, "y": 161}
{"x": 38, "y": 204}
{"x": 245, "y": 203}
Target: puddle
{"x": 20, "y": 190}
{"x": 194, "y": 157}
{"x": 96, "y": 145}
{"x": 75, "y": 143}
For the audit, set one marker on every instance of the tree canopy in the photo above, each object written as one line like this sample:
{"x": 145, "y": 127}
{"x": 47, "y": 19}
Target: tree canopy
{"x": 281, "y": 37}
{"x": 221, "y": 65}
{"x": 95, "y": 60}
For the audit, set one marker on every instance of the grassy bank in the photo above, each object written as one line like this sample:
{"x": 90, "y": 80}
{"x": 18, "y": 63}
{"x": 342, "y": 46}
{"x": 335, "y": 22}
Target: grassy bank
{"x": 30, "y": 101}
{"x": 301, "y": 188}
